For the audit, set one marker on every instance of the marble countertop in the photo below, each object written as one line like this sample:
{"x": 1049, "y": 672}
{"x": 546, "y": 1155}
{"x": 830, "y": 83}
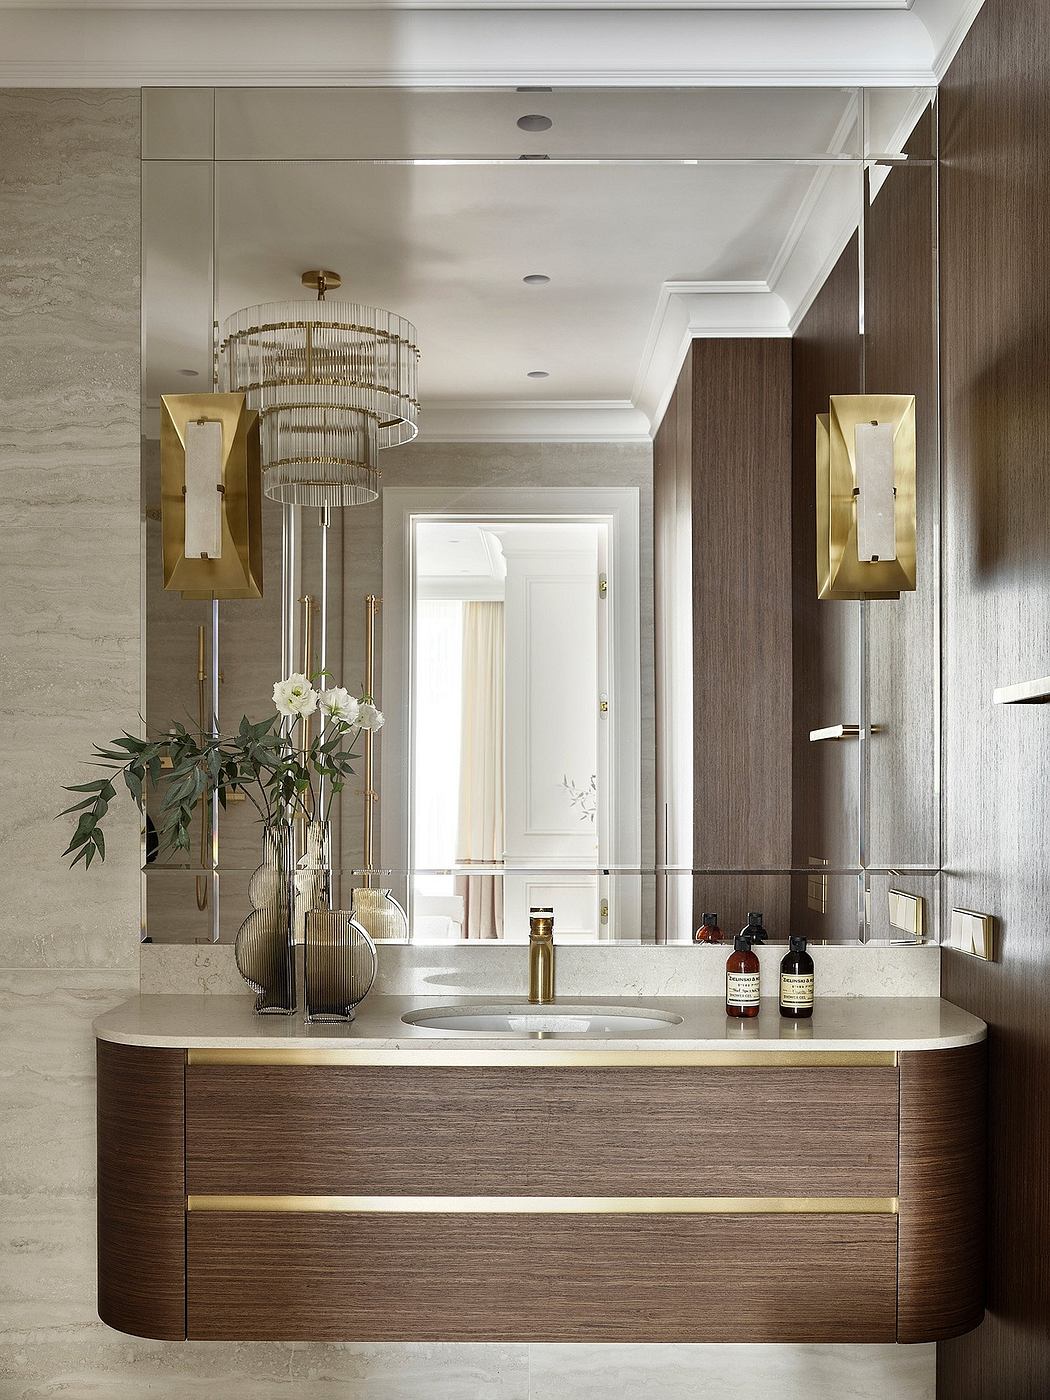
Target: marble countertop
{"x": 838, "y": 1024}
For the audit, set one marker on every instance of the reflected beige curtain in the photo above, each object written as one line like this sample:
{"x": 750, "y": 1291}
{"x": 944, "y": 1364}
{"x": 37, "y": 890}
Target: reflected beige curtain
{"x": 481, "y": 834}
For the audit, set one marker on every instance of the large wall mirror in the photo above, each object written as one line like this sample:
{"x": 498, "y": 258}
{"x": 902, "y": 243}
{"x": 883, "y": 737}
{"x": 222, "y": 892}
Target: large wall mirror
{"x": 586, "y": 592}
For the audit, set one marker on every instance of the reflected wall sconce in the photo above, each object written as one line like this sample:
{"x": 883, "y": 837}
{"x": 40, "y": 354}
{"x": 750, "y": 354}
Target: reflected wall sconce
{"x": 211, "y": 496}
{"x": 866, "y": 496}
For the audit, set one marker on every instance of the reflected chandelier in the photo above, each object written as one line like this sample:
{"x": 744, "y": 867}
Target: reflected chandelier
{"x": 333, "y": 382}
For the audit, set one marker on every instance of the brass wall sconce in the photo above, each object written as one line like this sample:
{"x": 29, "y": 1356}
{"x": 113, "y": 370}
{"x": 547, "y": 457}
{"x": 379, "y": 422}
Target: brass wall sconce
{"x": 866, "y": 496}
{"x": 211, "y": 496}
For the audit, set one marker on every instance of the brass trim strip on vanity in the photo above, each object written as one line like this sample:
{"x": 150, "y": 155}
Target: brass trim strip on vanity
{"x": 527, "y": 1058}
{"x": 550, "y": 1205}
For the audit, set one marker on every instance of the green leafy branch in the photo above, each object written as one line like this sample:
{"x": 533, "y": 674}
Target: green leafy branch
{"x": 188, "y": 768}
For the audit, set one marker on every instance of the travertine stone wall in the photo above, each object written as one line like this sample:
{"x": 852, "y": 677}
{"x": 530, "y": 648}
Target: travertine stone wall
{"x": 69, "y": 673}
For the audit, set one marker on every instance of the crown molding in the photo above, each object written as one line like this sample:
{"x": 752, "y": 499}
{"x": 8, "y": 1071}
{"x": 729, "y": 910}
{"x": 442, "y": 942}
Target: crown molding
{"x": 688, "y": 311}
{"x": 544, "y": 420}
{"x": 215, "y": 46}
{"x": 109, "y": 74}
{"x": 117, "y": 73}
{"x": 298, "y": 5}
{"x": 948, "y": 22}
{"x": 827, "y": 219}
{"x": 510, "y": 420}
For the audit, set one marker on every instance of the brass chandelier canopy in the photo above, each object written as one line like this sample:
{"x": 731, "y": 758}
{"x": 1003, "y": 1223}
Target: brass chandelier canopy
{"x": 333, "y": 383}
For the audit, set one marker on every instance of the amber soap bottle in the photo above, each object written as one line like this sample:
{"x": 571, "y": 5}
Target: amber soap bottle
{"x": 796, "y": 981}
{"x": 709, "y": 932}
{"x": 742, "y": 979}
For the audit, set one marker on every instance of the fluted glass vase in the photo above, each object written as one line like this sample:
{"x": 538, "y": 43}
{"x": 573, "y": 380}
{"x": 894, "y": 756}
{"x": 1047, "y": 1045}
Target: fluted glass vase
{"x": 264, "y": 952}
{"x": 293, "y": 879}
{"x": 312, "y": 882}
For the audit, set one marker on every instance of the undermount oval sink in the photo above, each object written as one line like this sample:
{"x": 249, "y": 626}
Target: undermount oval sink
{"x": 563, "y": 1018}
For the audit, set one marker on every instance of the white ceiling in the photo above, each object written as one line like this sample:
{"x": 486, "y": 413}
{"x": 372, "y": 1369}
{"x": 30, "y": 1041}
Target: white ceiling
{"x": 459, "y": 554}
{"x": 447, "y": 244}
{"x": 450, "y": 550}
{"x": 642, "y": 256}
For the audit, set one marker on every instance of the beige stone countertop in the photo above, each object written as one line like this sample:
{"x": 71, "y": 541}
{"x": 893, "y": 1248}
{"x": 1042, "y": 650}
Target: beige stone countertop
{"x": 838, "y": 1024}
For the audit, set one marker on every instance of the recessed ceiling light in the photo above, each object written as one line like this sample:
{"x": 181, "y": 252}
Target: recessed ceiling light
{"x": 190, "y": 373}
{"x": 535, "y": 122}
{"x": 538, "y": 374}
{"x": 536, "y": 279}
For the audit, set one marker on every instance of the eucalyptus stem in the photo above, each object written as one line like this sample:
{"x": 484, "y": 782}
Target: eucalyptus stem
{"x": 186, "y": 767}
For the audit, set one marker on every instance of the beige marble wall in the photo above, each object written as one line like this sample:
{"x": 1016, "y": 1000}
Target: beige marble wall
{"x": 501, "y": 969}
{"x": 69, "y": 579}
{"x": 69, "y": 584}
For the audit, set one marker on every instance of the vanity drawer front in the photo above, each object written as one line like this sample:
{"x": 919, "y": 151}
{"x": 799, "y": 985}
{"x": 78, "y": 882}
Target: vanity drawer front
{"x": 651, "y": 1130}
{"x": 628, "y": 1278}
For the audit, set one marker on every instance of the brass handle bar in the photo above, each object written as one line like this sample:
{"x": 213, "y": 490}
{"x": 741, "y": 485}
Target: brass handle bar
{"x": 549, "y": 1205}
{"x": 548, "y": 1058}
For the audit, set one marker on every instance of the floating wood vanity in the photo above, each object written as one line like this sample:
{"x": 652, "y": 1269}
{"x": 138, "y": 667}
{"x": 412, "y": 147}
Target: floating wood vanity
{"x": 759, "y": 1182}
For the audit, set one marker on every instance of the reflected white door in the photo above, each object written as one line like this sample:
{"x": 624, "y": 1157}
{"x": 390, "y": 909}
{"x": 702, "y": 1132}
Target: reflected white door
{"x": 553, "y": 755}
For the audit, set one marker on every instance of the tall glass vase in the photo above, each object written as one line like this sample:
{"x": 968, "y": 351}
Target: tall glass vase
{"x": 264, "y": 951}
{"x": 294, "y": 879}
{"x": 313, "y": 875}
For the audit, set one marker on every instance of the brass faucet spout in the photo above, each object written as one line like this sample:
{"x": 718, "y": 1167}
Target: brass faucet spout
{"x": 541, "y": 956}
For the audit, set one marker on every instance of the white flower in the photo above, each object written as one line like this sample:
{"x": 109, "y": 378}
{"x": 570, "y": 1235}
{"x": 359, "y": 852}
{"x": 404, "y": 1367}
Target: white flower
{"x": 340, "y": 705}
{"x": 295, "y": 696}
{"x": 369, "y": 717}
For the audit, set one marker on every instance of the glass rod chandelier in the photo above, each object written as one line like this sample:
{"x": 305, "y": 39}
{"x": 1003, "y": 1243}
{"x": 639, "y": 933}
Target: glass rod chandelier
{"x": 333, "y": 382}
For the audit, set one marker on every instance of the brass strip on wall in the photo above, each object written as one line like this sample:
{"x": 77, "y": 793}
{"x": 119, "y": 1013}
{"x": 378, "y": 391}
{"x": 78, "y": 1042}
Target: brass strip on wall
{"x": 552, "y": 1205}
{"x": 528, "y": 1058}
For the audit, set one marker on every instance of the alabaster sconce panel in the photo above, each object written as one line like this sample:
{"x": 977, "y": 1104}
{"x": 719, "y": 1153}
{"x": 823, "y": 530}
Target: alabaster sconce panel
{"x": 211, "y": 496}
{"x": 866, "y": 496}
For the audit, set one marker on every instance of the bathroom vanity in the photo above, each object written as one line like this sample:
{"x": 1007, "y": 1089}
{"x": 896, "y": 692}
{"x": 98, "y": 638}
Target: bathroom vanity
{"x": 705, "y": 1180}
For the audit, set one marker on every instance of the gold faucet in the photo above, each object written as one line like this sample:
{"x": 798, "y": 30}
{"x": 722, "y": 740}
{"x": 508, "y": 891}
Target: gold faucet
{"x": 541, "y": 956}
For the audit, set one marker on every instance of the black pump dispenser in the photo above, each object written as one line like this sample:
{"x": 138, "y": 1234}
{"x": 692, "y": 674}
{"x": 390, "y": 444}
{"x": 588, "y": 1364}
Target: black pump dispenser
{"x": 796, "y": 981}
{"x": 754, "y": 929}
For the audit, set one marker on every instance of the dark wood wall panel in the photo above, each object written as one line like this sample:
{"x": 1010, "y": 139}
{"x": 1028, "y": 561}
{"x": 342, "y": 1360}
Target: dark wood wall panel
{"x": 942, "y": 1193}
{"x": 741, "y": 501}
{"x": 722, "y": 466}
{"x": 141, "y": 1191}
{"x": 995, "y": 233}
{"x": 340, "y": 1130}
{"x": 826, "y": 360}
{"x": 628, "y": 1278}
